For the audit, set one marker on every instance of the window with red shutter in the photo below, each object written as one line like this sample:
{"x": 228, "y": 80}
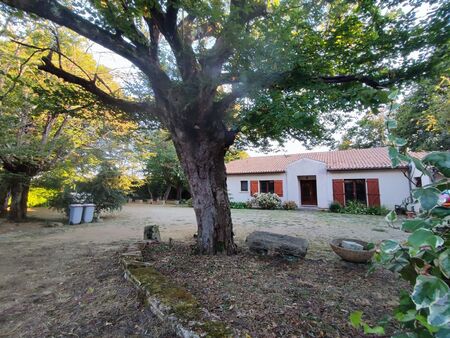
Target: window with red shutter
{"x": 373, "y": 192}
{"x": 253, "y": 187}
{"x": 278, "y": 187}
{"x": 338, "y": 191}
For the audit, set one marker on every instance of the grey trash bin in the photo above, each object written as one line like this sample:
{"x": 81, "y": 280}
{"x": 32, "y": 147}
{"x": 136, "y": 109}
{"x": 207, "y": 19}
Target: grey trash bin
{"x": 75, "y": 213}
{"x": 88, "y": 212}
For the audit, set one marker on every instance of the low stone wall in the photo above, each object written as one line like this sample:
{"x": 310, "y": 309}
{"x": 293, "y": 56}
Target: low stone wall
{"x": 170, "y": 302}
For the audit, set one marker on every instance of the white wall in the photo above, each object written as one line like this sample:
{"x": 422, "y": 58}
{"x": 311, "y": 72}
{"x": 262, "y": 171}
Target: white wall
{"x": 234, "y": 185}
{"x": 307, "y": 167}
{"x": 394, "y": 186}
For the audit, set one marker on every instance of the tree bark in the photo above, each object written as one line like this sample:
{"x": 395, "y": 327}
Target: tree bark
{"x": 202, "y": 158}
{"x": 166, "y": 194}
{"x": 19, "y": 199}
{"x": 179, "y": 192}
{"x": 4, "y": 196}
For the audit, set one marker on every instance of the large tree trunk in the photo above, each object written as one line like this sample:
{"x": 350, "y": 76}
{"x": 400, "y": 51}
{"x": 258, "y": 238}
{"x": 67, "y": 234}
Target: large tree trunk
{"x": 19, "y": 199}
{"x": 4, "y": 197}
{"x": 202, "y": 158}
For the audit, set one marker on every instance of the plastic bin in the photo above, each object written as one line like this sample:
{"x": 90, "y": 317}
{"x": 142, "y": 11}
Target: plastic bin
{"x": 75, "y": 213}
{"x": 88, "y": 212}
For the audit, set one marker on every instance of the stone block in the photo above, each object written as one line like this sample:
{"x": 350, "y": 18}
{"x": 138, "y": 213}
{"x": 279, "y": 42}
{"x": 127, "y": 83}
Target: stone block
{"x": 151, "y": 232}
{"x": 267, "y": 242}
{"x": 352, "y": 245}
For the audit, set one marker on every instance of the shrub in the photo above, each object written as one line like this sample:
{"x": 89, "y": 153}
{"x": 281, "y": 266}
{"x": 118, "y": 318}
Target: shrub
{"x": 189, "y": 203}
{"x": 358, "y": 208}
{"x": 289, "y": 205}
{"x": 103, "y": 191}
{"x": 424, "y": 258}
{"x": 267, "y": 201}
{"x": 238, "y": 205}
{"x": 381, "y": 211}
{"x": 354, "y": 207}
{"x": 40, "y": 197}
{"x": 335, "y": 207}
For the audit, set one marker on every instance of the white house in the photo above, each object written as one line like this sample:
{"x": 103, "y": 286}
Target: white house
{"x": 317, "y": 179}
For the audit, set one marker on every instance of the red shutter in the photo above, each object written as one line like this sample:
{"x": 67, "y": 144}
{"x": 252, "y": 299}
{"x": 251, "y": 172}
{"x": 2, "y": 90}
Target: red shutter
{"x": 373, "y": 192}
{"x": 338, "y": 191}
{"x": 278, "y": 187}
{"x": 253, "y": 187}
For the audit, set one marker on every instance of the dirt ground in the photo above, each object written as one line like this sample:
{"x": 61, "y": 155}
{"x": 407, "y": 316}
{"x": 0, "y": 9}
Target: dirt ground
{"x": 65, "y": 281}
{"x": 271, "y": 297}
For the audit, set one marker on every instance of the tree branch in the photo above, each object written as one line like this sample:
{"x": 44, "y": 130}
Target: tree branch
{"x": 124, "y": 105}
{"x": 240, "y": 13}
{"x": 167, "y": 24}
{"x": 59, "y": 14}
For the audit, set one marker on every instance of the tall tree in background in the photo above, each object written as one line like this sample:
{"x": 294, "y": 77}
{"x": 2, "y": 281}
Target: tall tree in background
{"x": 163, "y": 169}
{"x": 424, "y": 119}
{"x": 288, "y": 64}
{"x": 369, "y": 132}
{"x": 43, "y": 120}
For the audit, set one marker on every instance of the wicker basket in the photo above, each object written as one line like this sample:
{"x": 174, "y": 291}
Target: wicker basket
{"x": 354, "y": 256}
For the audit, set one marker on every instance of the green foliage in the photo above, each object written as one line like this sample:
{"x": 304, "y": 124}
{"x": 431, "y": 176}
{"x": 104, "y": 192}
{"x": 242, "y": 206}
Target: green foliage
{"x": 107, "y": 190}
{"x": 266, "y": 201}
{"x": 238, "y": 205}
{"x": 40, "y": 197}
{"x": 234, "y": 153}
{"x": 289, "y": 205}
{"x": 424, "y": 117}
{"x": 423, "y": 260}
{"x": 162, "y": 167}
{"x": 335, "y": 207}
{"x": 358, "y": 208}
{"x": 368, "y": 132}
{"x": 357, "y": 322}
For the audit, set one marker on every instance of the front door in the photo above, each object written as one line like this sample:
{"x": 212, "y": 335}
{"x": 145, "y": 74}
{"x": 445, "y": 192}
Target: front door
{"x": 308, "y": 191}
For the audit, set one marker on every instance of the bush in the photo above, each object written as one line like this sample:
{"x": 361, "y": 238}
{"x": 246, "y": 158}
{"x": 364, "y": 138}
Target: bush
{"x": 238, "y": 205}
{"x": 267, "y": 201}
{"x": 103, "y": 191}
{"x": 189, "y": 203}
{"x": 289, "y": 205}
{"x": 358, "y": 208}
{"x": 335, "y": 207}
{"x": 355, "y": 208}
{"x": 40, "y": 197}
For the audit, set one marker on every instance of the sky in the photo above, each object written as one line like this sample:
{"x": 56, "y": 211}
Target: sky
{"x": 121, "y": 66}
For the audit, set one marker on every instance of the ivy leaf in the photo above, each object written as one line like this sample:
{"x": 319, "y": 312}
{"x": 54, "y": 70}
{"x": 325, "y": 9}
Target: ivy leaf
{"x": 428, "y": 197}
{"x": 443, "y": 333}
{"x": 419, "y": 166}
{"x": 393, "y": 155}
{"x": 406, "y": 317}
{"x": 391, "y": 217}
{"x": 439, "y": 159}
{"x": 391, "y": 124}
{"x": 428, "y": 290}
{"x": 444, "y": 262}
{"x": 393, "y": 94}
{"x": 440, "y": 212}
{"x": 389, "y": 246}
{"x": 412, "y": 225}
{"x": 400, "y": 142}
{"x": 440, "y": 311}
{"x": 424, "y": 237}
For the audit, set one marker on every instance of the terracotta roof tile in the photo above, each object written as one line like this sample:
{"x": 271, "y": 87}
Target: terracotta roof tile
{"x": 353, "y": 159}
